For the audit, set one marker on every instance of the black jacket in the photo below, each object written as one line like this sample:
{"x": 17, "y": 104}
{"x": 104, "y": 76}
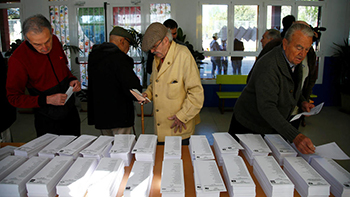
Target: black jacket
{"x": 111, "y": 76}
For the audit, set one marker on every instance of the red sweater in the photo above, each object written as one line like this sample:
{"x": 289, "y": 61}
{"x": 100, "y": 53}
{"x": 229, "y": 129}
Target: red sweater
{"x": 31, "y": 69}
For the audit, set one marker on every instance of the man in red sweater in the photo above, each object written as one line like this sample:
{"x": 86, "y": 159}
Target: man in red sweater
{"x": 40, "y": 65}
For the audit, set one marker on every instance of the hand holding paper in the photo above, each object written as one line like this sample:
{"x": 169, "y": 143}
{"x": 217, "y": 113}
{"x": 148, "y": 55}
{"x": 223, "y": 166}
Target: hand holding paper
{"x": 313, "y": 111}
{"x": 69, "y": 93}
{"x": 139, "y": 96}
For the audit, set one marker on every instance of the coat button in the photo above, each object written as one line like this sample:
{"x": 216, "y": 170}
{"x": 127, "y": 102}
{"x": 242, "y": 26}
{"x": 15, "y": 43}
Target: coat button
{"x": 157, "y": 110}
{"x": 168, "y": 63}
{"x": 158, "y": 124}
{"x": 156, "y": 95}
{"x": 157, "y": 80}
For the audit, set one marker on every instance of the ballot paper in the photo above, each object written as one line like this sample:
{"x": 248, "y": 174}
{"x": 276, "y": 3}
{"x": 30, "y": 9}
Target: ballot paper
{"x": 271, "y": 177}
{"x": 15, "y": 183}
{"x": 237, "y": 177}
{"x": 44, "y": 182}
{"x": 140, "y": 180}
{"x": 199, "y": 148}
{"x": 254, "y": 145}
{"x": 106, "y": 179}
{"x": 51, "y": 150}
{"x": 75, "y": 182}
{"x": 123, "y": 144}
{"x": 76, "y": 146}
{"x": 306, "y": 180}
{"x": 172, "y": 182}
{"x": 208, "y": 180}
{"x": 145, "y": 148}
{"x": 99, "y": 148}
{"x": 313, "y": 111}
{"x": 279, "y": 147}
{"x": 9, "y": 164}
{"x": 33, "y": 147}
{"x": 69, "y": 93}
{"x": 137, "y": 94}
{"x": 336, "y": 176}
{"x": 225, "y": 144}
{"x": 6, "y": 151}
{"x": 172, "y": 147}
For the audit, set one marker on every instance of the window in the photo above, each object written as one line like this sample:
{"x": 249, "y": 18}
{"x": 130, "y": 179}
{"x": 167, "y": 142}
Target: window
{"x": 159, "y": 12}
{"x": 275, "y": 14}
{"x": 127, "y": 17}
{"x": 10, "y": 26}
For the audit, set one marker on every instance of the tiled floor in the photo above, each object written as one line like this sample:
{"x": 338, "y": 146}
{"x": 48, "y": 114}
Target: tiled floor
{"x": 330, "y": 125}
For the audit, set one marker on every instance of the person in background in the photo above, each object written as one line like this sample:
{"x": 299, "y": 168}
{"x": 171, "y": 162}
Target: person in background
{"x": 237, "y": 61}
{"x": 40, "y": 65}
{"x": 274, "y": 89}
{"x": 175, "y": 85}
{"x": 111, "y": 77}
{"x": 287, "y": 21}
{"x": 269, "y": 35}
{"x": 215, "y": 60}
{"x": 224, "y": 61}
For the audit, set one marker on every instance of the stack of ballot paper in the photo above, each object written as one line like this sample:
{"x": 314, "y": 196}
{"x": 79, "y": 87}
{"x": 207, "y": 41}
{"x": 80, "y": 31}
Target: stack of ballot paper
{"x": 172, "y": 183}
{"x": 15, "y": 183}
{"x": 207, "y": 178}
{"x": 172, "y": 147}
{"x": 51, "y": 150}
{"x": 145, "y": 148}
{"x": 75, "y": 182}
{"x": 9, "y": 164}
{"x": 254, "y": 145}
{"x": 271, "y": 177}
{"x": 123, "y": 144}
{"x": 99, "y": 148}
{"x": 106, "y": 179}
{"x": 237, "y": 177}
{"x": 199, "y": 148}
{"x": 140, "y": 180}
{"x": 44, "y": 182}
{"x": 225, "y": 144}
{"x": 6, "y": 151}
{"x": 76, "y": 146}
{"x": 336, "y": 176}
{"x": 306, "y": 180}
{"x": 33, "y": 147}
{"x": 280, "y": 148}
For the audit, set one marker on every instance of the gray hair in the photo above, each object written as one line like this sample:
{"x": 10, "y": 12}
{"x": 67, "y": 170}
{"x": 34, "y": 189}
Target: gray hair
{"x": 273, "y": 33}
{"x": 169, "y": 35}
{"x": 35, "y": 23}
{"x": 306, "y": 30}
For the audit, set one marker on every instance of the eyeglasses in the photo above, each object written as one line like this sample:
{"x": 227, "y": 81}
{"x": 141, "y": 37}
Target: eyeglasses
{"x": 155, "y": 47}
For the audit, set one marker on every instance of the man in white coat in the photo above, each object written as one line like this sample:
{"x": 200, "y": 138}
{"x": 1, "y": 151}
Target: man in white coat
{"x": 175, "y": 86}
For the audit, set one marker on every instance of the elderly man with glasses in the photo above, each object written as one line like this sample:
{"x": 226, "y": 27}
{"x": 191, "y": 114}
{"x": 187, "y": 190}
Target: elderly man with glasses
{"x": 175, "y": 85}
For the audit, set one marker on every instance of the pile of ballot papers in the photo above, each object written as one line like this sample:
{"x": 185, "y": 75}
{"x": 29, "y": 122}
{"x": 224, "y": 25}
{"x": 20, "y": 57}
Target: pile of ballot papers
{"x": 33, "y": 147}
{"x": 145, "y": 148}
{"x": 271, "y": 177}
{"x": 172, "y": 147}
{"x": 51, "y": 150}
{"x": 279, "y": 147}
{"x": 15, "y": 183}
{"x": 336, "y": 176}
{"x": 254, "y": 145}
{"x": 199, "y": 148}
{"x": 73, "y": 149}
{"x": 140, "y": 180}
{"x": 99, "y": 148}
{"x": 44, "y": 182}
{"x": 7, "y": 151}
{"x": 9, "y": 164}
{"x": 207, "y": 178}
{"x": 123, "y": 144}
{"x": 225, "y": 144}
{"x": 107, "y": 177}
{"x": 172, "y": 183}
{"x": 75, "y": 182}
{"x": 237, "y": 177}
{"x": 306, "y": 180}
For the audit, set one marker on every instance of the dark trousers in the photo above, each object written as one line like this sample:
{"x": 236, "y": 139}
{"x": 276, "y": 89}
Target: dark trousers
{"x": 67, "y": 126}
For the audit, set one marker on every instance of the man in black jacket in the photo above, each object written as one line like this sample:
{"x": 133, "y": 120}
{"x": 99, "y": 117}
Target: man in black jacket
{"x": 111, "y": 77}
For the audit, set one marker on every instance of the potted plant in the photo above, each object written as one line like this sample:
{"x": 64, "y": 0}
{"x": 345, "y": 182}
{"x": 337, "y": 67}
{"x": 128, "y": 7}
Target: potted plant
{"x": 342, "y": 72}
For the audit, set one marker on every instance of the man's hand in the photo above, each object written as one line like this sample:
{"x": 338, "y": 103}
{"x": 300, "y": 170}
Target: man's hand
{"x": 304, "y": 144}
{"x": 306, "y": 106}
{"x": 145, "y": 101}
{"x": 56, "y": 99}
{"x": 177, "y": 124}
{"x": 76, "y": 85}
